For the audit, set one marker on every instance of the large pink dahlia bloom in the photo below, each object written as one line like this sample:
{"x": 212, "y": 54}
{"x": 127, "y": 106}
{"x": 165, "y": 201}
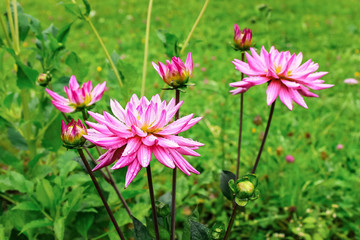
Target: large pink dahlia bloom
{"x": 175, "y": 73}
{"x": 78, "y": 97}
{"x": 287, "y": 78}
{"x": 141, "y": 129}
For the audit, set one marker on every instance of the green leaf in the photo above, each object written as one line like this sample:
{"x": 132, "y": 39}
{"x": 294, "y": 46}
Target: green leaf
{"x": 15, "y": 181}
{"x": 73, "y": 9}
{"x": 24, "y": 26}
{"x": 16, "y": 139}
{"x": 36, "y": 224}
{"x": 225, "y": 177}
{"x": 63, "y": 33}
{"x": 26, "y": 76}
{"x": 198, "y": 231}
{"x": 44, "y": 193}
{"x": 83, "y": 223}
{"x": 87, "y": 7}
{"x": 218, "y": 230}
{"x": 77, "y": 66}
{"x": 9, "y": 159}
{"x": 59, "y": 228}
{"x": 140, "y": 231}
{"x": 170, "y": 42}
{"x": 27, "y": 206}
{"x": 51, "y": 140}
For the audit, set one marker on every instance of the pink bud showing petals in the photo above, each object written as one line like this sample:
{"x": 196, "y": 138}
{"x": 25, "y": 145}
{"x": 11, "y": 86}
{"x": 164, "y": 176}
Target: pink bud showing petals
{"x": 72, "y": 134}
{"x": 176, "y": 73}
{"x": 242, "y": 39}
{"x": 142, "y": 129}
{"x": 289, "y": 158}
{"x": 78, "y": 97}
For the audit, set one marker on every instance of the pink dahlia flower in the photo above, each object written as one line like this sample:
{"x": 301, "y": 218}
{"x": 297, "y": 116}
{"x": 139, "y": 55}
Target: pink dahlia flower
{"x": 78, "y": 97}
{"x": 286, "y": 77}
{"x": 242, "y": 39}
{"x": 175, "y": 73}
{"x": 141, "y": 129}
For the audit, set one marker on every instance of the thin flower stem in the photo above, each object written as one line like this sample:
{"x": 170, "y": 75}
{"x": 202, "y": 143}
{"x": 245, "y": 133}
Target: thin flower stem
{"x": 264, "y": 139}
{"x": 3, "y": 26}
{"x": 11, "y": 23}
{"x": 111, "y": 181}
{"x": 153, "y": 207}
{"x": 231, "y": 222}
{"x": 194, "y": 26}
{"x": 116, "y": 72}
{"x": 96, "y": 184}
{"x": 109, "y": 178}
{"x": 173, "y": 195}
{"x": 148, "y": 19}
{"x": 16, "y": 28}
{"x": 94, "y": 161}
{"x": 188, "y": 37}
{"x": 240, "y": 124}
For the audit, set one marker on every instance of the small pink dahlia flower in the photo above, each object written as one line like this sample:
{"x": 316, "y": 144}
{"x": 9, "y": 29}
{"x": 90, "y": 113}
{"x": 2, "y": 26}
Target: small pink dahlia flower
{"x": 242, "y": 39}
{"x": 175, "y": 73}
{"x": 286, "y": 77}
{"x": 78, "y": 97}
{"x": 141, "y": 129}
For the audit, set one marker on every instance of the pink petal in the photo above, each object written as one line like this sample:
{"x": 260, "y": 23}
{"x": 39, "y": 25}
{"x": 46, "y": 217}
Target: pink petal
{"x": 167, "y": 143}
{"x": 57, "y": 97}
{"x": 191, "y": 123}
{"x": 285, "y": 97}
{"x": 297, "y": 97}
{"x": 177, "y": 126}
{"x": 73, "y": 84}
{"x": 132, "y": 146}
{"x": 187, "y": 151}
{"x": 144, "y": 155}
{"x": 150, "y": 140}
{"x": 272, "y": 91}
{"x": 163, "y": 157}
{"x": 62, "y": 108}
{"x": 131, "y": 173}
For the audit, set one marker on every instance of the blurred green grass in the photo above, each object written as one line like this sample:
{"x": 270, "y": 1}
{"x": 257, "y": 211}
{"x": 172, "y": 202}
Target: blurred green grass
{"x": 327, "y": 32}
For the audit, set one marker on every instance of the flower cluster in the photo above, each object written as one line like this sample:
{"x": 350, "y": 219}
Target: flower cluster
{"x": 72, "y": 133}
{"x": 78, "y": 97}
{"x": 176, "y": 73}
{"x": 287, "y": 78}
{"x": 242, "y": 39}
{"x": 141, "y": 129}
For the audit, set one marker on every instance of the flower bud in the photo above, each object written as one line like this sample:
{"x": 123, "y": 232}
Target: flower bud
{"x": 44, "y": 78}
{"x": 242, "y": 39}
{"x": 175, "y": 73}
{"x": 246, "y": 189}
{"x": 72, "y": 134}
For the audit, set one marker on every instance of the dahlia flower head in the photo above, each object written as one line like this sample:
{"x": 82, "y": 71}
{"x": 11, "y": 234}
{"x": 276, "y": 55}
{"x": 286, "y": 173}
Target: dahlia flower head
{"x": 72, "y": 133}
{"x": 242, "y": 39}
{"x": 141, "y": 129}
{"x": 176, "y": 73}
{"x": 287, "y": 78}
{"x": 78, "y": 97}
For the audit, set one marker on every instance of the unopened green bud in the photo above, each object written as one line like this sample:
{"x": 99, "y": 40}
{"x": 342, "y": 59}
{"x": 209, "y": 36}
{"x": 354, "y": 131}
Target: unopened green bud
{"x": 246, "y": 189}
{"x": 44, "y": 78}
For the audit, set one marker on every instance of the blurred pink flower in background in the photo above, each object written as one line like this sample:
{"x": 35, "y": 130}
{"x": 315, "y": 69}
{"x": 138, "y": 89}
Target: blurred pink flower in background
{"x": 339, "y": 146}
{"x": 286, "y": 77}
{"x": 78, "y": 97}
{"x": 242, "y": 39}
{"x": 175, "y": 73}
{"x": 289, "y": 158}
{"x": 351, "y": 81}
{"x": 141, "y": 129}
